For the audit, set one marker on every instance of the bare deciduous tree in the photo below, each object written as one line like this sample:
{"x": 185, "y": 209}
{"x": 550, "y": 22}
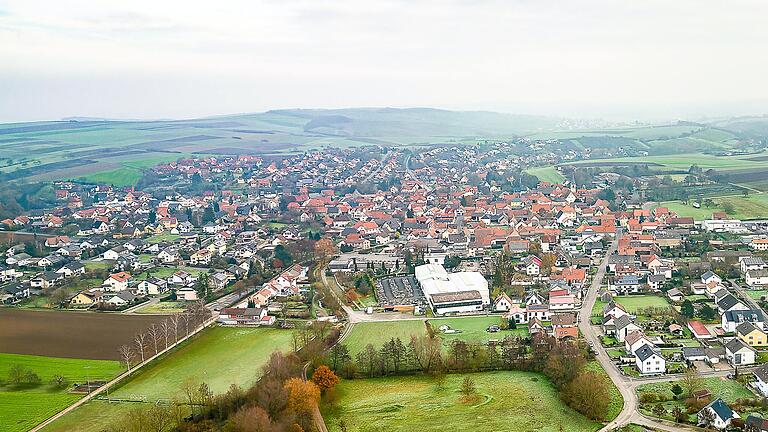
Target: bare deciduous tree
{"x": 186, "y": 317}
{"x": 174, "y": 323}
{"x": 141, "y": 343}
{"x": 127, "y": 354}
{"x": 165, "y": 329}
{"x": 154, "y": 334}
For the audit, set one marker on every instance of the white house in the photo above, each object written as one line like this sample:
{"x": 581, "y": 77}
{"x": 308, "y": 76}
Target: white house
{"x": 710, "y": 276}
{"x": 756, "y": 278}
{"x": 186, "y": 294}
{"x": 624, "y": 326}
{"x": 151, "y": 286}
{"x": 759, "y": 244}
{"x": 118, "y": 281}
{"x": 720, "y": 413}
{"x": 634, "y": 341}
{"x": 761, "y": 380}
{"x": 532, "y": 265}
{"x": 122, "y": 298}
{"x": 169, "y": 255}
{"x": 731, "y": 319}
{"x": 739, "y": 353}
{"x": 502, "y": 303}
{"x": 649, "y": 361}
{"x": 517, "y": 314}
{"x": 751, "y": 263}
{"x": 562, "y": 303}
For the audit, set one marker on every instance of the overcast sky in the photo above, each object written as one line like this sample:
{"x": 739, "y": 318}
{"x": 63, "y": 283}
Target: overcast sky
{"x": 181, "y": 59}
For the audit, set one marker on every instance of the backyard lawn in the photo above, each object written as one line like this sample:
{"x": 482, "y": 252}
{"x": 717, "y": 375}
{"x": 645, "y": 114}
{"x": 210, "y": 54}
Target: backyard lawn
{"x": 757, "y": 294}
{"x": 23, "y": 408}
{"x": 163, "y": 237}
{"x": 519, "y": 401}
{"x": 165, "y": 308}
{"x": 728, "y": 390}
{"x": 633, "y": 303}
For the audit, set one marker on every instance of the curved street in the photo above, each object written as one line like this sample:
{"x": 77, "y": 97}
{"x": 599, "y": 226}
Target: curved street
{"x": 627, "y": 386}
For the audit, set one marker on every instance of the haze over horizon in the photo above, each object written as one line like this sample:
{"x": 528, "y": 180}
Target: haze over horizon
{"x": 654, "y": 60}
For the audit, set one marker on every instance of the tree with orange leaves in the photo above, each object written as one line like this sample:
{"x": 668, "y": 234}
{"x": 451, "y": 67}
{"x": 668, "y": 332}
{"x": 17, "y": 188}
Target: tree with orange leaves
{"x": 324, "y": 378}
{"x": 302, "y": 399}
{"x": 325, "y": 248}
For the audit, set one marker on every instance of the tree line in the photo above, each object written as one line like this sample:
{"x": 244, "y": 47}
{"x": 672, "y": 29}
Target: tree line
{"x": 159, "y": 336}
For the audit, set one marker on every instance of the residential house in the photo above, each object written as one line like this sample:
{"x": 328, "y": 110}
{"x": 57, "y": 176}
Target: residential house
{"x": 85, "y": 298}
{"x": 720, "y": 413}
{"x": 751, "y": 263}
{"x": 151, "y": 286}
{"x": 532, "y": 265}
{"x": 675, "y": 295}
{"x": 118, "y": 281}
{"x": 627, "y": 284}
{"x": 649, "y": 360}
{"x": 756, "y": 278}
{"x": 739, "y": 353}
{"x": 699, "y": 330}
{"x": 732, "y": 319}
{"x": 118, "y": 299}
{"x": 502, "y": 303}
{"x": 730, "y": 303}
{"x": 186, "y": 294}
{"x": 13, "y": 293}
{"x": 751, "y": 334}
{"x": 761, "y": 379}
{"x": 624, "y": 326}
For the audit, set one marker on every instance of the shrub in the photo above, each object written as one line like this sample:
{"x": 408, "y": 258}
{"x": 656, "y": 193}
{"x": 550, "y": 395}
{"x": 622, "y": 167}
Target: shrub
{"x": 648, "y": 397}
{"x": 59, "y": 381}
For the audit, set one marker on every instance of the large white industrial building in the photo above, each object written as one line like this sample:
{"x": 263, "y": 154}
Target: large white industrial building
{"x": 447, "y": 293}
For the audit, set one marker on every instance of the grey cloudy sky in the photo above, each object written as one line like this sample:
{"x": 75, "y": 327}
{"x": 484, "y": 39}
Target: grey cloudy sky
{"x": 179, "y": 59}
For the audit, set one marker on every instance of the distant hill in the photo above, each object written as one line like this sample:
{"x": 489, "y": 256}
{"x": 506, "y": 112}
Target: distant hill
{"x": 417, "y": 122}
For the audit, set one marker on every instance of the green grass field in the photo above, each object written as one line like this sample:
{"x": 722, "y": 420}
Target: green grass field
{"x": 519, "y": 401}
{"x": 73, "y": 369}
{"x": 753, "y": 206}
{"x": 125, "y": 176}
{"x": 220, "y": 357}
{"x": 546, "y": 174}
{"x": 377, "y": 333}
{"x": 22, "y": 409}
{"x": 473, "y": 329}
{"x": 684, "y": 161}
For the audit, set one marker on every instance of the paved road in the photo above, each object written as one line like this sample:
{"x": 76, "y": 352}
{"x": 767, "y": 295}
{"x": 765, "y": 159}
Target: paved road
{"x": 630, "y": 412}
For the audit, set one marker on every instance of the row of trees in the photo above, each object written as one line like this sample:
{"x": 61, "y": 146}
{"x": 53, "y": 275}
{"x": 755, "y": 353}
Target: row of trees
{"x": 159, "y": 336}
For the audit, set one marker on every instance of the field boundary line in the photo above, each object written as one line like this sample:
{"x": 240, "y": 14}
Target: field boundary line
{"x": 122, "y": 376}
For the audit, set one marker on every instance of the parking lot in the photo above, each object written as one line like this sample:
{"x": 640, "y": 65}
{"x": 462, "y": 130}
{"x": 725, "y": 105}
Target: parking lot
{"x": 399, "y": 291}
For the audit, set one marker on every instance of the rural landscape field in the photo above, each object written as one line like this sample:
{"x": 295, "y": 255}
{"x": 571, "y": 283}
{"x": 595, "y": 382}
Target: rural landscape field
{"x": 238, "y": 353}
